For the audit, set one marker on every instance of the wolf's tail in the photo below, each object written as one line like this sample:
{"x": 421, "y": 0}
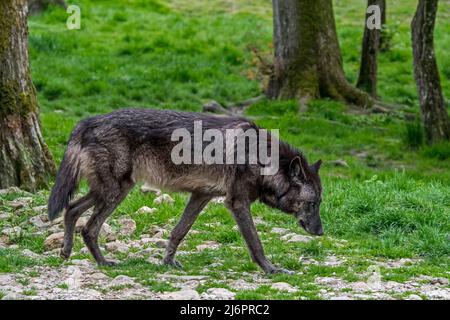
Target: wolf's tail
{"x": 66, "y": 181}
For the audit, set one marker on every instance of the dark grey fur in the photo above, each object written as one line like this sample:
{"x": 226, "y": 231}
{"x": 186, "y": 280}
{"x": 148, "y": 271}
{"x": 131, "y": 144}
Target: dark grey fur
{"x": 116, "y": 150}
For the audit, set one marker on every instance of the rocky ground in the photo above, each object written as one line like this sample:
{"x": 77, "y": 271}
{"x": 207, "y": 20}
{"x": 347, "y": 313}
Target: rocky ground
{"x": 45, "y": 276}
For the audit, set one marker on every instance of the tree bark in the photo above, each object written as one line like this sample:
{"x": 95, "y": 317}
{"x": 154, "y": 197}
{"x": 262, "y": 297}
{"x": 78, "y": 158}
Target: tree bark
{"x": 25, "y": 160}
{"x": 367, "y": 80}
{"x": 383, "y": 7}
{"x": 308, "y": 62}
{"x": 434, "y": 113}
{"x": 36, "y": 6}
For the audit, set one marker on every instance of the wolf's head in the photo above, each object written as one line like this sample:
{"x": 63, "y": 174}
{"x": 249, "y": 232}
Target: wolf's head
{"x": 296, "y": 189}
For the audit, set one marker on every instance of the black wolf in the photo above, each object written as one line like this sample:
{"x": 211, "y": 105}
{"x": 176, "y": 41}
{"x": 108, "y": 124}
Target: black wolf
{"x": 115, "y": 151}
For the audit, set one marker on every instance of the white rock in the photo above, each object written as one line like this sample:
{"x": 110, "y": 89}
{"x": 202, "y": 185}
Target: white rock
{"x": 443, "y": 281}
{"x": 73, "y": 281}
{"x": 280, "y": 230}
{"x": 54, "y": 241}
{"x": 25, "y": 199}
{"x": 19, "y": 202}
{"x": 333, "y": 261}
{"x": 90, "y": 294}
{"x": 218, "y": 294}
{"x": 160, "y": 243}
{"x": 40, "y": 209}
{"x": 83, "y": 263}
{"x": 187, "y": 294}
{"x": 81, "y": 222}
{"x": 122, "y": 281}
{"x": 442, "y": 294}
{"x": 360, "y": 286}
{"x": 283, "y": 286}
{"x": 108, "y": 232}
{"x": 30, "y": 254}
{"x": 157, "y": 229}
{"x": 127, "y": 226}
{"x": 84, "y": 250}
{"x": 12, "y": 231}
{"x": 4, "y": 216}
{"x": 55, "y": 229}
{"x": 146, "y": 210}
{"x": 164, "y": 198}
{"x": 183, "y": 278}
{"x": 10, "y": 190}
{"x": 12, "y": 296}
{"x": 135, "y": 244}
{"x": 160, "y": 234}
{"x": 117, "y": 246}
{"x": 57, "y": 221}
{"x": 146, "y": 188}
{"x": 297, "y": 238}
{"x": 98, "y": 276}
{"x": 341, "y": 298}
{"x": 6, "y": 279}
{"x": 147, "y": 239}
{"x": 241, "y": 284}
{"x": 413, "y": 297}
{"x": 212, "y": 245}
{"x": 37, "y": 222}
{"x": 329, "y": 281}
{"x": 153, "y": 260}
{"x": 259, "y": 221}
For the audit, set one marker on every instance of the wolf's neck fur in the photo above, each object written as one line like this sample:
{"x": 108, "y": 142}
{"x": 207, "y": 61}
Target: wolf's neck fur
{"x": 287, "y": 154}
{"x": 280, "y": 180}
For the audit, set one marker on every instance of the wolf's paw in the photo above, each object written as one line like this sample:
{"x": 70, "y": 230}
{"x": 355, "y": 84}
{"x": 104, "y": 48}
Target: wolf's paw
{"x": 107, "y": 263}
{"x": 64, "y": 254}
{"x": 172, "y": 263}
{"x": 276, "y": 270}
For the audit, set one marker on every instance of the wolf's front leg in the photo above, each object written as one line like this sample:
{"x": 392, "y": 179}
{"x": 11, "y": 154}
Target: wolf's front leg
{"x": 241, "y": 213}
{"x": 195, "y": 205}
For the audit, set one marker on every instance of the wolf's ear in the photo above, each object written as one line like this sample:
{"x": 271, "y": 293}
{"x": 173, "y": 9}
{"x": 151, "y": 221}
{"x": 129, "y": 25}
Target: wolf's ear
{"x": 316, "y": 166}
{"x": 297, "y": 168}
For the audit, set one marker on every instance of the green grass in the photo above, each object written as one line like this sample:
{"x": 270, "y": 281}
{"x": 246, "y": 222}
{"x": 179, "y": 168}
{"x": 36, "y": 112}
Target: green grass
{"x": 13, "y": 261}
{"x": 392, "y": 201}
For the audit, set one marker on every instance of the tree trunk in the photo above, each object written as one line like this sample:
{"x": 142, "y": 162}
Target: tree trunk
{"x": 36, "y": 6}
{"x": 383, "y": 8}
{"x": 24, "y": 158}
{"x": 367, "y": 80}
{"x": 308, "y": 62}
{"x": 434, "y": 113}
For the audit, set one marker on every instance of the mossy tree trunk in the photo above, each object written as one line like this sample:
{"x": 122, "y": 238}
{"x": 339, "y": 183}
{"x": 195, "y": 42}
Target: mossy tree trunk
{"x": 434, "y": 113}
{"x": 24, "y": 157}
{"x": 308, "y": 62}
{"x": 367, "y": 79}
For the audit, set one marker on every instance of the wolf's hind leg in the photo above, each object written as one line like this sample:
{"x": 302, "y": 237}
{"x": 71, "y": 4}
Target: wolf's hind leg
{"x": 92, "y": 229}
{"x": 195, "y": 205}
{"x": 75, "y": 210}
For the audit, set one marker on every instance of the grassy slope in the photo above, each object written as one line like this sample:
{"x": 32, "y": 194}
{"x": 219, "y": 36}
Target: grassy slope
{"x": 393, "y": 202}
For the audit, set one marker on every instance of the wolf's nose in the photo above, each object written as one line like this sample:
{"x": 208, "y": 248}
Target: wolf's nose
{"x": 320, "y": 232}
